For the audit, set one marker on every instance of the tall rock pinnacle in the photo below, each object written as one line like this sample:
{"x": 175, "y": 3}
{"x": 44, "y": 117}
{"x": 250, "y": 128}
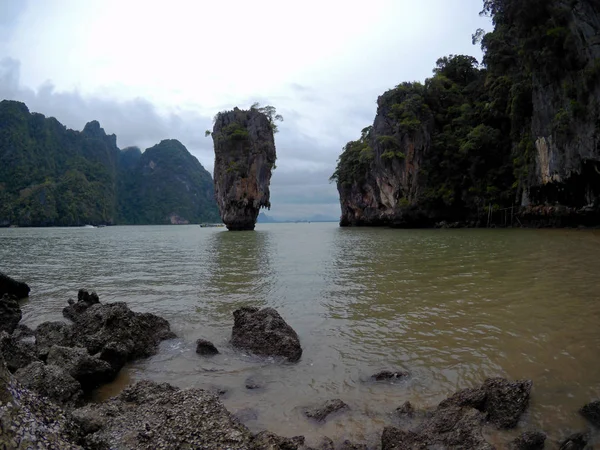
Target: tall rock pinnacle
{"x": 244, "y": 158}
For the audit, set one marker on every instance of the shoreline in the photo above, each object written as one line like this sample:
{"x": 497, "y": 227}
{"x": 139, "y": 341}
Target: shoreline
{"x": 417, "y": 418}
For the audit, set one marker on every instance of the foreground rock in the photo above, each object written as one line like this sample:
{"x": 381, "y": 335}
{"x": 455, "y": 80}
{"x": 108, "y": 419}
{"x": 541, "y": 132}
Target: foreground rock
{"x": 265, "y": 333}
{"x": 30, "y": 421}
{"x": 591, "y": 412}
{"x": 577, "y": 441}
{"x": 12, "y": 287}
{"x": 10, "y": 313}
{"x": 112, "y": 331}
{"x": 329, "y": 407}
{"x": 244, "y": 158}
{"x": 17, "y": 354}
{"x": 206, "y": 348}
{"x": 457, "y": 421}
{"x": 148, "y": 415}
{"x": 52, "y": 382}
{"x": 90, "y": 371}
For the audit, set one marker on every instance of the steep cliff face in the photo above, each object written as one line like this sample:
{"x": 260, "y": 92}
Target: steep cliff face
{"x": 519, "y": 134}
{"x": 54, "y": 176}
{"x": 244, "y": 158}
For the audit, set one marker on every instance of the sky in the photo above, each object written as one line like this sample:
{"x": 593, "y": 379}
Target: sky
{"x": 151, "y": 70}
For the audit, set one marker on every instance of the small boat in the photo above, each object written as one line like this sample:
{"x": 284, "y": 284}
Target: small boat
{"x": 89, "y": 226}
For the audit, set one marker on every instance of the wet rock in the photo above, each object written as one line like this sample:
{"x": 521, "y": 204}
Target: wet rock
{"x": 17, "y": 354}
{"x": 388, "y": 375}
{"x": 326, "y": 444}
{"x": 577, "y": 441}
{"x": 204, "y": 347}
{"x": 10, "y": 313}
{"x": 329, "y": 407}
{"x": 406, "y": 410}
{"x": 48, "y": 334}
{"x": 84, "y": 301}
{"x": 90, "y": 371}
{"x": 347, "y": 445}
{"x": 506, "y": 400}
{"x": 264, "y": 332}
{"x": 253, "y": 383}
{"x": 266, "y": 440}
{"x": 12, "y": 287}
{"x": 474, "y": 398}
{"x": 118, "y": 333}
{"x": 23, "y": 332}
{"x": 244, "y": 157}
{"x": 30, "y": 421}
{"x": 52, "y": 382}
{"x": 530, "y": 440}
{"x": 591, "y": 412}
{"x": 148, "y": 415}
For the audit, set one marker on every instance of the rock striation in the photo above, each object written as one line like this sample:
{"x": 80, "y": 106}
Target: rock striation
{"x": 244, "y": 158}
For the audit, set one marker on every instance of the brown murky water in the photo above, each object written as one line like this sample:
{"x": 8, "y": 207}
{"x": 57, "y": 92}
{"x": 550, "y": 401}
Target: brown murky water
{"x": 451, "y": 306}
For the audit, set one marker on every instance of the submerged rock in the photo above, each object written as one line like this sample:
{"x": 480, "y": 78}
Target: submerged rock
{"x": 52, "y": 382}
{"x": 244, "y": 158}
{"x": 406, "y": 410}
{"x": 148, "y": 415}
{"x": 348, "y": 445}
{"x": 10, "y": 313}
{"x": 591, "y": 412}
{"x": 17, "y": 354}
{"x": 577, "y": 441}
{"x": 13, "y": 287}
{"x": 329, "y": 407}
{"x": 530, "y": 440}
{"x": 389, "y": 375}
{"x": 265, "y": 440}
{"x": 506, "y": 400}
{"x": 265, "y": 333}
{"x": 30, "y": 421}
{"x": 204, "y": 347}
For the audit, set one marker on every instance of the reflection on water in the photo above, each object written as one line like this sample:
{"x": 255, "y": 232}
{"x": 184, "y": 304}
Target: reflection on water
{"x": 451, "y": 306}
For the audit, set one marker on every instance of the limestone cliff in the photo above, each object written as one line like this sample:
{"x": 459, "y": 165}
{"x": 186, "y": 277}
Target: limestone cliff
{"x": 244, "y": 158}
{"x": 475, "y": 145}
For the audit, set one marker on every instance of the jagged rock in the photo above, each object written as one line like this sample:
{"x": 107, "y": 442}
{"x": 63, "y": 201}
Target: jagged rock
{"x": 30, "y": 421}
{"x": 148, "y": 415}
{"x": 388, "y": 375}
{"x": 329, "y": 407}
{"x": 577, "y": 441}
{"x": 244, "y": 157}
{"x": 17, "y": 354}
{"x": 13, "y": 287}
{"x": 204, "y": 347}
{"x": 406, "y": 410}
{"x": 506, "y": 401}
{"x": 265, "y": 440}
{"x": 10, "y": 313}
{"x": 48, "y": 334}
{"x": 591, "y": 412}
{"x": 117, "y": 333}
{"x": 84, "y": 301}
{"x": 90, "y": 371}
{"x": 264, "y": 332}
{"x": 23, "y": 332}
{"x": 530, "y": 440}
{"x": 475, "y": 398}
{"x": 52, "y": 382}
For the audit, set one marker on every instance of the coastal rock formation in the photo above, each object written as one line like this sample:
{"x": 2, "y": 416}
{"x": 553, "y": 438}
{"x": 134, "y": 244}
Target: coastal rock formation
{"x": 530, "y": 440}
{"x": 148, "y": 415}
{"x": 89, "y": 370}
{"x": 17, "y": 353}
{"x": 265, "y": 333}
{"x": 28, "y": 420}
{"x": 576, "y": 441}
{"x": 591, "y": 412}
{"x": 527, "y": 149}
{"x": 10, "y": 313}
{"x": 244, "y": 158}
{"x": 12, "y": 287}
{"x": 52, "y": 382}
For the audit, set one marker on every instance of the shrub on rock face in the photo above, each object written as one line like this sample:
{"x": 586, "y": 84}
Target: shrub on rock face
{"x": 265, "y": 333}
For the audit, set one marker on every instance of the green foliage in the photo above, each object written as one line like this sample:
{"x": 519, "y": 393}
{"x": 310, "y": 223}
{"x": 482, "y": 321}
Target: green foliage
{"x": 271, "y": 114}
{"x": 235, "y": 132}
{"x": 355, "y": 160}
{"x": 52, "y": 176}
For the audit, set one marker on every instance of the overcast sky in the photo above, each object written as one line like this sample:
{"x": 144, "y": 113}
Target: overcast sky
{"x": 151, "y": 70}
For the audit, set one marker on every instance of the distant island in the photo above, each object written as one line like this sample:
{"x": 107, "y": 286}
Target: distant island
{"x": 54, "y": 176}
